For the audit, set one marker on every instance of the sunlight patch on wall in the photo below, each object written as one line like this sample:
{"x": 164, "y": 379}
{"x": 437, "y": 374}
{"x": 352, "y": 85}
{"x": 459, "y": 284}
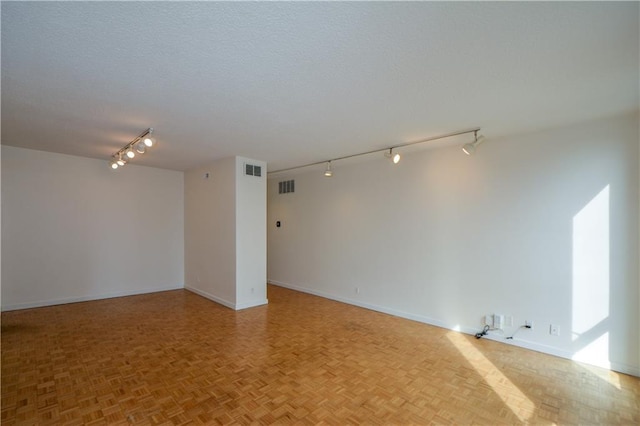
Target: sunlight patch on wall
{"x": 590, "y": 308}
{"x": 509, "y": 393}
{"x": 595, "y": 352}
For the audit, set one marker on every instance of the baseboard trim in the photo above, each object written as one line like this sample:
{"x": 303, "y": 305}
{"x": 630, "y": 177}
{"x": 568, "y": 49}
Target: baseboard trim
{"x": 549, "y": 350}
{"x": 251, "y": 304}
{"x": 211, "y": 297}
{"x": 64, "y": 301}
{"x": 226, "y": 303}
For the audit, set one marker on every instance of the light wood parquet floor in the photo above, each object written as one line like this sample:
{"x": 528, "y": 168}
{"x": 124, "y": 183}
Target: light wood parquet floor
{"x": 176, "y": 358}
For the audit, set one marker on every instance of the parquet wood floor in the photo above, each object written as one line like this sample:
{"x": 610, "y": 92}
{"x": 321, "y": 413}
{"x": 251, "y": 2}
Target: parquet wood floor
{"x": 176, "y": 358}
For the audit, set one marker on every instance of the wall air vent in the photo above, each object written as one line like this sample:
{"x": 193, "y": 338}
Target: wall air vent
{"x": 251, "y": 170}
{"x": 286, "y": 186}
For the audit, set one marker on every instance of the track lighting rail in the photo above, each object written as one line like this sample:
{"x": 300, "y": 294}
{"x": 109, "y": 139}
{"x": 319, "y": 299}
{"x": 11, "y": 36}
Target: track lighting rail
{"x": 140, "y": 144}
{"x": 388, "y": 149}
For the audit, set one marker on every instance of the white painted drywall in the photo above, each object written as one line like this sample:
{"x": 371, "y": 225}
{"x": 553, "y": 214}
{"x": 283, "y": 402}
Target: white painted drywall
{"x": 446, "y": 238}
{"x": 251, "y": 235}
{"x": 0, "y": 229}
{"x": 225, "y": 233}
{"x": 72, "y": 229}
{"x": 210, "y": 236}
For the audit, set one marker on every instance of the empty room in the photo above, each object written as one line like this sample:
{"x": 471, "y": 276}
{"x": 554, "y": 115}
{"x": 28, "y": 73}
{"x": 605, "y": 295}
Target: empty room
{"x": 394, "y": 213}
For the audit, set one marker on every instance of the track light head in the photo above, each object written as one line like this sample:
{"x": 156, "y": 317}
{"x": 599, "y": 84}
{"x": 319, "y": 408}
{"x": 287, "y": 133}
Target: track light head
{"x": 141, "y": 147}
{"x": 149, "y": 141}
{"x": 394, "y": 157}
{"x": 328, "y": 172}
{"x": 130, "y": 153}
{"x": 120, "y": 161}
{"x": 113, "y": 165}
{"x": 470, "y": 148}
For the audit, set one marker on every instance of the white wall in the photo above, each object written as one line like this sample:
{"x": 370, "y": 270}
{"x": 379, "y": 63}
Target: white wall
{"x": 225, "y": 233}
{"x": 251, "y": 236}
{"x": 542, "y": 227}
{"x": 0, "y": 229}
{"x": 72, "y": 229}
{"x": 210, "y": 236}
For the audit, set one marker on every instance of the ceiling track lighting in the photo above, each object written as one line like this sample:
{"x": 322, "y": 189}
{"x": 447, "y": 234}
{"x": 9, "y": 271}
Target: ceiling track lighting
{"x": 394, "y": 156}
{"x": 470, "y": 148}
{"x": 139, "y": 145}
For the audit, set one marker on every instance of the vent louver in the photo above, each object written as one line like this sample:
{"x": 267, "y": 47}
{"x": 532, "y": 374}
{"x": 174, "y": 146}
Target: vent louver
{"x": 286, "y": 186}
{"x": 252, "y": 170}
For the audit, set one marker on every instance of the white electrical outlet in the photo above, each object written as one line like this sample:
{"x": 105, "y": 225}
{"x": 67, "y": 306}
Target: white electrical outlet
{"x": 357, "y": 290}
{"x": 528, "y": 324}
{"x": 508, "y": 321}
{"x": 554, "y": 330}
{"x": 488, "y": 320}
{"x": 498, "y": 321}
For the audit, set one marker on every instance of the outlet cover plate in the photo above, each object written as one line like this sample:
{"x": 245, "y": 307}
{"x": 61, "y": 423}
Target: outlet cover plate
{"x": 508, "y": 321}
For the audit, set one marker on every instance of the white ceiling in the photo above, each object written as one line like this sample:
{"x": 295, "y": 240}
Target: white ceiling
{"x": 292, "y": 83}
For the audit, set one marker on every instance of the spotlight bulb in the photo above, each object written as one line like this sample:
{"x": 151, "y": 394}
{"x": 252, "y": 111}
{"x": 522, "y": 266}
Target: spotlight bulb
{"x": 120, "y": 162}
{"x": 141, "y": 147}
{"x": 394, "y": 157}
{"x": 328, "y": 172}
{"x": 130, "y": 153}
{"x": 113, "y": 165}
{"x": 470, "y": 148}
{"x": 149, "y": 141}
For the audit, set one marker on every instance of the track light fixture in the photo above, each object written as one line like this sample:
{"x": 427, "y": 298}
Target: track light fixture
{"x": 140, "y": 145}
{"x": 394, "y": 157}
{"x": 389, "y": 153}
{"x": 328, "y": 172}
{"x": 470, "y": 148}
{"x": 149, "y": 140}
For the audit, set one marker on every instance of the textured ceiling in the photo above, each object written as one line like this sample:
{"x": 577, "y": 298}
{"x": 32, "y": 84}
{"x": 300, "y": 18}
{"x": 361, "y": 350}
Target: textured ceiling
{"x": 292, "y": 83}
